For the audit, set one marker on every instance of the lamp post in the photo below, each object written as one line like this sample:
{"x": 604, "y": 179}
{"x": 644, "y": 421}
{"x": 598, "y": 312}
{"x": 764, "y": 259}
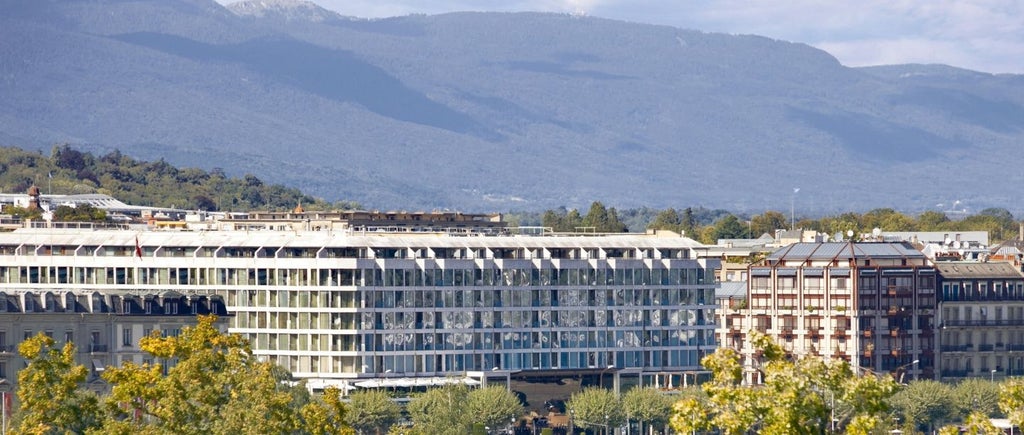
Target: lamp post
{"x": 600, "y": 378}
{"x": 792, "y": 210}
{"x": 992, "y": 377}
{"x": 902, "y": 372}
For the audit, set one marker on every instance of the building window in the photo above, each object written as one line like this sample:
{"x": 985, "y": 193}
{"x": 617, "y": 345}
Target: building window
{"x": 126, "y": 337}
{"x": 69, "y": 336}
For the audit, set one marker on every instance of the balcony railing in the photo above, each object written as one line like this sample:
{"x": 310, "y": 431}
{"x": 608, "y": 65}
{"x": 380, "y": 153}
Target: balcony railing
{"x": 957, "y": 347}
{"x": 1003, "y": 322}
{"x": 97, "y": 348}
{"x": 985, "y": 347}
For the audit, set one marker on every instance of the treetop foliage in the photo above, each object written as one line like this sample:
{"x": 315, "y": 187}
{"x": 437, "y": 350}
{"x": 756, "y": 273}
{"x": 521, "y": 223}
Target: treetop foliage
{"x": 158, "y": 184}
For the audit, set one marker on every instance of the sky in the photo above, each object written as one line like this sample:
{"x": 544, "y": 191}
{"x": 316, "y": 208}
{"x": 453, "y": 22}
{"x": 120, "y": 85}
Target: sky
{"x": 981, "y": 35}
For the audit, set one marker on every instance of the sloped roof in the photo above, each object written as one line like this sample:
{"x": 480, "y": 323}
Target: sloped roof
{"x": 844, "y": 250}
{"x": 970, "y": 269}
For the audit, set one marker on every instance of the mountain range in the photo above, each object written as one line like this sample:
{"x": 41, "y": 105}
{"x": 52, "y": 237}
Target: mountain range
{"x": 501, "y": 111}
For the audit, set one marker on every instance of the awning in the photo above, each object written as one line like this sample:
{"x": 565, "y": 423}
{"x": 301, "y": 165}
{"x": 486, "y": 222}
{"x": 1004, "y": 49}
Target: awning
{"x": 788, "y": 271}
{"x": 813, "y": 271}
{"x": 414, "y": 382}
{"x": 839, "y": 271}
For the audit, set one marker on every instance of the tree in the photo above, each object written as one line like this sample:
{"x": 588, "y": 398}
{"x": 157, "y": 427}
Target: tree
{"x": 1011, "y": 400}
{"x": 493, "y": 406}
{"x": 689, "y": 415}
{"x": 441, "y": 410}
{"x": 326, "y": 416}
{"x": 767, "y": 223}
{"x": 667, "y": 219}
{"x": 217, "y": 386}
{"x": 372, "y": 410}
{"x": 48, "y": 390}
{"x": 595, "y": 408}
{"x": 603, "y": 220}
{"x": 648, "y": 405}
{"x": 977, "y": 423}
{"x": 925, "y": 403}
{"x": 81, "y": 213}
{"x": 977, "y": 395}
{"x": 932, "y": 221}
{"x": 688, "y": 223}
{"x": 798, "y": 396}
{"x": 729, "y": 227}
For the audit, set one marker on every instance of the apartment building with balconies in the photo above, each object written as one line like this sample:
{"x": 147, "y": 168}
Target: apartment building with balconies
{"x": 981, "y": 320}
{"x": 871, "y": 304}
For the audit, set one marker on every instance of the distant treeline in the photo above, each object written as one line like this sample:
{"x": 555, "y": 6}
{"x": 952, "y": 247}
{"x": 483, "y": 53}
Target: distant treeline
{"x": 709, "y": 226}
{"x": 159, "y": 184}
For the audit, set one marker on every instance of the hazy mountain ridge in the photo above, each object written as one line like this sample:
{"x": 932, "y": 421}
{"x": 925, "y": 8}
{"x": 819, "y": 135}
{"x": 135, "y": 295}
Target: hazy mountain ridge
{"x": 488, "y": 111}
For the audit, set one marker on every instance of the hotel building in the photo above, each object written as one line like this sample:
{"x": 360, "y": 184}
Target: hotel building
{"x": 338, "y": 306}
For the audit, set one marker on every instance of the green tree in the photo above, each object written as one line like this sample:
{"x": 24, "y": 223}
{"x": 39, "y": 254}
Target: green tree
{"x": 767, "y": 223}
{"x": 977, "y": 423}
{"x": 51, "y": 401}
{"x": 977, "y": 395}
{"x": 797, "y": 396}
{"x": 493, "y": 406}
{"x": 326, "y": 416}
{"x": 24, "y": 213}
{"x": 932, "y": 221}
{"x": 441, "y": 410}
{"x": 603, "y": 220}
{"x": 81, "y": 213}
{"x": 667, "y": 219}
{"x": 1011, "y": 400}
{"x": 217, "y": 386}
{"x": 372, "y": 411}
{"x": 647, "y": 405}
{"x": 926, "y": 403}
{"x": 596, "y": 408}
{"x": 730, "y": 227}
{"x": 690, "y": 415}
{"x": 688, "y": 223}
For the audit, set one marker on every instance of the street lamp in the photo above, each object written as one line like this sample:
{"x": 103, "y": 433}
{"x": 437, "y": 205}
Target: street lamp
{"x": 600, "y": 379}
{"x": 992, "y": 377}
{"x": 902, "y": 372}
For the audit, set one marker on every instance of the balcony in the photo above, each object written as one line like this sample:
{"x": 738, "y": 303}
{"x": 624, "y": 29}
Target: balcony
{"x": 97, "y": 348}
{"x": 867, "y": 333}
{"x": 896, "y": 332}
{"x": 896, "y": 352}
{"x": 968, "y": 323}
{"x": 986, "y": 348}
{"x": 957, "y": 347}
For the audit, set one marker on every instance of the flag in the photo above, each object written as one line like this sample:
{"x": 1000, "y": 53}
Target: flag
{"x": 138, "y": 249}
